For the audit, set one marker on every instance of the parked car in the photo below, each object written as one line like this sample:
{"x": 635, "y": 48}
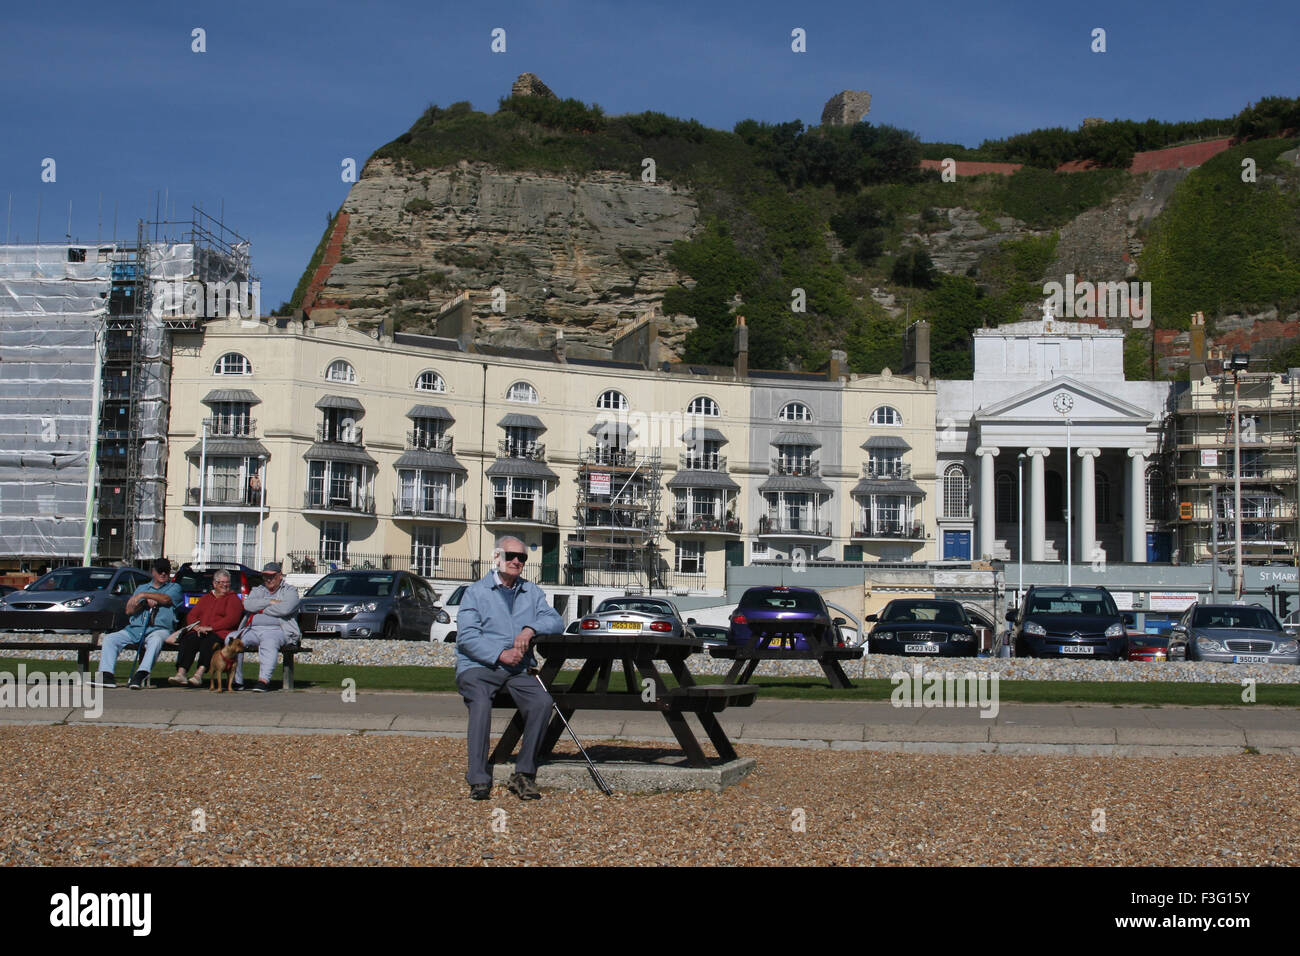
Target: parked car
{"x": 710, "y": 633}
{"x": 72, "y": 599}
{"x": 789, "y": 615}
{"x": 444, "y": 620}
{"x": 196, "y": 582}
{"x": 387, "y": 604}
{"x": 923, "y": 626}
{"x": 1235, "y": 634}
{"x": 1151, "y": 648}
{"x": 1070, "y": 621}
{"x": 1291, "y": 623}
{"x": 636, "y": 615}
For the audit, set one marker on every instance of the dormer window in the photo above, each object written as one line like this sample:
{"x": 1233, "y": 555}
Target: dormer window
{"x": 795, "y": 412}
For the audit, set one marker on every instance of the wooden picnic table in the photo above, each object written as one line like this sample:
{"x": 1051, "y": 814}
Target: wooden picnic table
{"x": 747, "y": 657}
{"x": 639, "y": 656}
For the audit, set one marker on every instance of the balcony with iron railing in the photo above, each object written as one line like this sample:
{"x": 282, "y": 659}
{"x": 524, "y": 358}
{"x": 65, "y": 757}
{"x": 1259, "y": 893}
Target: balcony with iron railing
{"x": 339, "y": 434}
{"x": 886, "y": 468}
{"x": 703, "y": 462}
{"x": 425, "y": 441}
{"x": 338, "y": 557}
{"x": 802, "y": 467}
{"x": 340, "y": 502}
{"x": 788, "y": 526}
{"x": 704, "y": 524}
{"x": 520, "y": 510}
{"x": 528, "y": 450}
{"x": 607, "y": 457}
{"x": 914, "y": 530}
{"x": 224, "y": 497}
{"x": 432, "y": 508}
{"x": 613, "y": 520}
{"x": 230, "y": 426}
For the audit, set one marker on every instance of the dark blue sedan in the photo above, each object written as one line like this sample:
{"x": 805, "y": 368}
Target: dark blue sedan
{"x": 917, "y": 626}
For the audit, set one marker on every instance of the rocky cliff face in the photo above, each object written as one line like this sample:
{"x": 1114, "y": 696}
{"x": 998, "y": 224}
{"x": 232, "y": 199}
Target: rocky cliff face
{"x": 587, "y": 255}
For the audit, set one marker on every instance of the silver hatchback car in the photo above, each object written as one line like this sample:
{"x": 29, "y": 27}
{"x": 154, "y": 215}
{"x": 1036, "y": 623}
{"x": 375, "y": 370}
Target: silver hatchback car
{"x": 1235, "y": 634}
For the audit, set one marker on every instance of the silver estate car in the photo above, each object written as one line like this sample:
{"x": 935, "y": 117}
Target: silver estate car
{"x": 1235, "y": 634}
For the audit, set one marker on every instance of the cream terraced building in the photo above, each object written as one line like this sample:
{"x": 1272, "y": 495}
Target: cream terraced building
{"x": 333, "y": 447}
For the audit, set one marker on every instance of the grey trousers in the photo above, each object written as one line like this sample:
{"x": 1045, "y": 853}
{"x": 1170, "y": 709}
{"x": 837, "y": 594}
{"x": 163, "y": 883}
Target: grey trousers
{"x": 477, "y": 685}
{"x": 267, "y": 641}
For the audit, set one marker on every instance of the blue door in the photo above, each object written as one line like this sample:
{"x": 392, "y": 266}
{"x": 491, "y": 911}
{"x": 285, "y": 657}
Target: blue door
{"x": 956, "y": 545}
{"x": 1160, "y": 547}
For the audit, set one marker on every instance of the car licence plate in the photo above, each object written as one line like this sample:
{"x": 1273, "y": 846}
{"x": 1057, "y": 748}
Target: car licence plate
{"x": 625, "y": 625}
{"x": 921, "y": 648}
{"x": 332, "y": 628}
{"x": 1076, "y": 648}
{"x": 1250, "y": 659}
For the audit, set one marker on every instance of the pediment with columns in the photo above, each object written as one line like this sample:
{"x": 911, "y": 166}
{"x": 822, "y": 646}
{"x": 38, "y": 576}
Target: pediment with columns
{"x": 1037, "y": 416}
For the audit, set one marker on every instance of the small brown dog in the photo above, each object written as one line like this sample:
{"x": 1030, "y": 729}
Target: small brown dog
{"x": 223, "y": 662}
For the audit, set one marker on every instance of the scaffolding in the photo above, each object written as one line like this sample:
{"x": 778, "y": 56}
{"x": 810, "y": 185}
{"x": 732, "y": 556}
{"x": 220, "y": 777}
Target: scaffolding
{"x": 93, "y": 324}
{"x": 617, "y": 516}
{"x": 1204, "y": 475}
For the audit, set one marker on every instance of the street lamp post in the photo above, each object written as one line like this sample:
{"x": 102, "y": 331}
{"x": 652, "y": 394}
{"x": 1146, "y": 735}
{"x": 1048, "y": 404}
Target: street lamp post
{"x": 1020, "y": 513}
{"x": 261, "y": 504}
{"x": 1069, "y": 510}
{"x": 201, "y": 551}
{"x": 1239, "y": 362}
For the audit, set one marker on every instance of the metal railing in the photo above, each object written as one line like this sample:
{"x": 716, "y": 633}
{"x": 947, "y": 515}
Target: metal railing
{"x": 613, "y": 520}
{"x": 886, "y": 469}
{"x": 804, "y": 467}
{"x": 335, "y": 558}
{"x": 414, "y": 508}
{"x": 520, "y": 510}
{"x": 344, "y": 436}
{"x": 889, "y": 529}
{"x": 230, "y": 426}
{"x": 246, "y": 497}
{"x": 529, "y": 450}
{"x": 422, "y": 441}
{"x": 356, "y": 503}
{"x": 687, "y": 523}
{"x": 703, "y": 462}
{"x": 801, "y": 526}
{"x": 610, "y": 457}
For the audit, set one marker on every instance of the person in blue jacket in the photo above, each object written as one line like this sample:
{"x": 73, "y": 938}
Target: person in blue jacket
{"x": 153, "y": 617}
{"x": 499, "y": 616}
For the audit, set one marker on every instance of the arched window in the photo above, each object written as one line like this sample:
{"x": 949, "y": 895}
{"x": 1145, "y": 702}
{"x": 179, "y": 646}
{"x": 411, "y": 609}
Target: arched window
{"x": 703, "y": 406}
{"x": 612, "y": 399}
{"x": 232, "y": 363}
{"x": 1101, "y": 486}
{"x": 341, "y": 371}
{"x": 886, "y": 415}
{"x": 1004, "y": 496}
{"x": 796, "y": 412}
{"x": 956, "y": 492}
{"x": 1155, "y": 494}
{"x": 430, "y": 381}
{"x": 1055, "y": 497}
{"x": 521, "y": 392}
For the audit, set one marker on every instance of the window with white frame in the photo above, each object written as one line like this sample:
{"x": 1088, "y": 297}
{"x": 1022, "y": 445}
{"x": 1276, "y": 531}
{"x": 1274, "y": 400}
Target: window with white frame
{"x": 427, "y": 432}
{"x": 430, "y": 381}
{"x": 796, "y": 459}
{"x": 229, "y": 419}
{"x": 232, "y": 363}
{"x": 886, "y": 415}
{"x": 690, "y": 557}
{"x": 521, "y": 392}
{"x": 334, "y": 541}
{"x": 885, "y": 462}
{"x": 426, "y": 548}
{"x": 956, "y": 492}
{"x": 612, "y": 399}
{"x": 703, "y": 406}
{"x": 225, "y": 480}
{"x": 704, "y": 456}
{"x": 796, "y": 412}
{"x": 341, "y": 371}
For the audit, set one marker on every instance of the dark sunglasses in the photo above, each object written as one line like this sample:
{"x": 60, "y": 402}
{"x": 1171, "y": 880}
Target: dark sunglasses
{"x": 520, "y": 556}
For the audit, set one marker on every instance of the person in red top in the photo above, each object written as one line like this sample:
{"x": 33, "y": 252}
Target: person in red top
{"x": 214, "y": 616}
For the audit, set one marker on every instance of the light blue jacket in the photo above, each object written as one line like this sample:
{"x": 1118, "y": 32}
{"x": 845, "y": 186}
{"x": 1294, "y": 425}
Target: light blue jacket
{"x": 165, "y": 619}
{"x": 486, "y": 626}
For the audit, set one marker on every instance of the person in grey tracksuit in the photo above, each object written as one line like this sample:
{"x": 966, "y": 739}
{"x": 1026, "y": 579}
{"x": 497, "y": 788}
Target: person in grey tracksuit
{"x": 498, "y": 618}
{"x": 271, "y": 621}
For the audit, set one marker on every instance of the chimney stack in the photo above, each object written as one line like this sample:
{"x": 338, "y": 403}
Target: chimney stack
{"x": 559, "y": 345}
{"x": 740, "y": 344}
{"x": 839, "y": 365}
{"x": 1196, "y": 369}
{"x": 916, "y": 350}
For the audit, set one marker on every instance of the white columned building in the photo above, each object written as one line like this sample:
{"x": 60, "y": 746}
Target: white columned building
{"x": 1029, "y": 378}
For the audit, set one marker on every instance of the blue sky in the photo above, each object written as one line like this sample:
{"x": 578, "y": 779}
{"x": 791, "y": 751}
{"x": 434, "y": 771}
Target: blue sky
{"x": 285, "y": 91}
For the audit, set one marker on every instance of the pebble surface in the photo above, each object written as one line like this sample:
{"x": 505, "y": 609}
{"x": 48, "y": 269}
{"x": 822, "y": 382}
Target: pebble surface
{"x": 411, "y": 653}
{"x": 78, "y": 796}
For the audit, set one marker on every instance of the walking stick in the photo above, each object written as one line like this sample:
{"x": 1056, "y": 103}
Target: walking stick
{"x": 595, "y": 774}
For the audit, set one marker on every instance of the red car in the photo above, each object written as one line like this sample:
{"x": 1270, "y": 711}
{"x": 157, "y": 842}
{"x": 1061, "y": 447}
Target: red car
{"x": 1147, "y": 647}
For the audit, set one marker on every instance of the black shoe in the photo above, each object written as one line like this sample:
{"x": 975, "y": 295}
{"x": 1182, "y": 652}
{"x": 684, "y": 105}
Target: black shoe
{"x": 139, "y": 680}
{"x": 524, "y": 786}
{"x": 261, "y": 687}
{"x": 105, "y": 679}
{"x": 236, "y": 686}
{"x": 480, "y": 791}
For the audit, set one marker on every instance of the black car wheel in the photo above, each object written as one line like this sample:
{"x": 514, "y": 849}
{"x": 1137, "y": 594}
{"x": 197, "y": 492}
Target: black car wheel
{"x": 390, "y": 629}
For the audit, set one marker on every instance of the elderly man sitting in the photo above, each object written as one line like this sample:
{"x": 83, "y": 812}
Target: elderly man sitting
{"x": 152, "y": 618}
{"x": 272, "y": 610}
